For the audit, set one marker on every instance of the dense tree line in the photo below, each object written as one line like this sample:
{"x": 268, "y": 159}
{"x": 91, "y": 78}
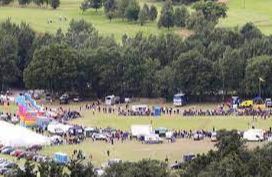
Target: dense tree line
{"x": 79, "y": 166}
{"x": 125, "y": 9}
{"x": 206, "y": 13}
{"x": 209, "y": 62}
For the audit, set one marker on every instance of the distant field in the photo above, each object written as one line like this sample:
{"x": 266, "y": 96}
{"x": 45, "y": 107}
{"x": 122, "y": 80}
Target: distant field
{"x": 257, "y": 11}
{"x": 38, "y": 19}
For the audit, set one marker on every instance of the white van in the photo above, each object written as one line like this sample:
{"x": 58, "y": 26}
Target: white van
{"x": 110, "y": 100}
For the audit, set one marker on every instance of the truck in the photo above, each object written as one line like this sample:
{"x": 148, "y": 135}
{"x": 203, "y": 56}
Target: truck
{"x": 179, "y": 99}
{"x": 112, "y": 99}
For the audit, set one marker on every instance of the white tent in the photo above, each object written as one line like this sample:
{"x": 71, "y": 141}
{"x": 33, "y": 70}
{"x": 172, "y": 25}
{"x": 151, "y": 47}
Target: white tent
{"x": 254, "y": 135}
{"x": 17, "y": 136}
{"x": 138, "y": 130}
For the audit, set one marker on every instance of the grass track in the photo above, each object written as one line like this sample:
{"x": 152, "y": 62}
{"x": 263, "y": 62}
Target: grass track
{"x": 257, "y": 11}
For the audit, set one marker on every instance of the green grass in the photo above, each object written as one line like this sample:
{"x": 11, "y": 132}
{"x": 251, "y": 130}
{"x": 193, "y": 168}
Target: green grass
{"x": 174, "y": 122}
{"x": 257, "y": 11}
{"x": 38, "y": 18}
{"x": 132, "y": 150}
{"x": 171, "y": 122}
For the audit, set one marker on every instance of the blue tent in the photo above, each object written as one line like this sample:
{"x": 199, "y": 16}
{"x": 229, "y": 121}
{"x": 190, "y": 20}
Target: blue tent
{"x": 61, "y": 158}
{"x": 157, "y": 111}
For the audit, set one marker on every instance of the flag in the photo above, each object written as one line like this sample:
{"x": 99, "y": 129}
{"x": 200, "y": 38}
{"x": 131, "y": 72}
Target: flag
{"x": 261, "y": 79}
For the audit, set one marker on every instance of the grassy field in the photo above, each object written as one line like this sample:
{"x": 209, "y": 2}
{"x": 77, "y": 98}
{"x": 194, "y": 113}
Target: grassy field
{"x": 257, "y": 11}
{"x": 171, "y": 122}
{"x": 133, "y": 150}
{"x": 38, "y": 19}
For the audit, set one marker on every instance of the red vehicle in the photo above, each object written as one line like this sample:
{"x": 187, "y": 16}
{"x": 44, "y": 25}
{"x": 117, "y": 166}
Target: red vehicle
{"x": 29, "y": 155}
{"x": 16, "y": 152}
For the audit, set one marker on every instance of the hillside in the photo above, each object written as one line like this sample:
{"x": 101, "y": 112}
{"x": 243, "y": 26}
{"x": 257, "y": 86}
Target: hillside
{"x": 38, "y": 19}
{"x": 258, "y": 12}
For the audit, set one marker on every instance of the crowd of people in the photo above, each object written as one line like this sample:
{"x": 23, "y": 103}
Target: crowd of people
{"x": 220, "y": 110}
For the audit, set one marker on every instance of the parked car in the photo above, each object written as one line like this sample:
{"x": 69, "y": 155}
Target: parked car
{"x": 59, "y": 131}
{"x": 64, "y": 99}
{"x": 48, "y": 96}
{"x": 29, "y": 155}
{"x": 176, "y": 165}
{"x": 246, "y": 104}
{"x": 198, "y": 136}
{"x": 7, "y": 150}
{"x": 188, "y": 157}
{"x": 100, "y": 136}
{"x": 16, "y": 152}
{"x": 89, "y": 131}
{"x": 56, "y": 140}
{"x": 77, "y": 99}
{"x": 5, "y": 147}
{"x": 214, "y": 137}
{"x": 99, "y": 171}
{"x": 34, "y": 148}
{"x": 153, "y": 139}
{"x": 268, "y": 102}
{"x": 3, "y": 170}
{"x": 111, "y": 162}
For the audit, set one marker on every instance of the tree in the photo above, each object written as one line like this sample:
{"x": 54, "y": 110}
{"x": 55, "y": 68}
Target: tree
{"x": 250, "y": 31}
{"x": 51, "y": 169}
{"x": 194, "y": 73}
{"x": 122, "y": 6}
{"x": 199, "y": 23}
{"x": 54, "y": 3}
{"x": 5, "y": 2}
{"x": 132, "y": 10}
{"x": 56, "y": 64}
{"x": 181, "y": 15}
{"x": 85, "y": 5}
{"x": 258, "y": 67}
{"x": 143, "y": 14}
{"x": 153, "y": 13}
{"x": 167, "y": 15}
{"x": 143, "y": 168}
{"x": 78, "y": 169}
{"x": 110, "y": 8}
{"x": 24, "y": 2}
{"x": 234, "y": 64}
{"x": 8, "y": 59}
{"x": 38, "y": 2}
{"x": 229, "y": 142}
{"x": 29, "y": 170}
{"x": 212, "y": 11}
{"x": 150, "y": 81}
{"x": 96, "y": 4}
{"x": 82, "y": 35}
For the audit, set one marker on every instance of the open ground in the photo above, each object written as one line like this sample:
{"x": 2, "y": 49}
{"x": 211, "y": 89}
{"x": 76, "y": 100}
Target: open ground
{"x": 258, "y": 12}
